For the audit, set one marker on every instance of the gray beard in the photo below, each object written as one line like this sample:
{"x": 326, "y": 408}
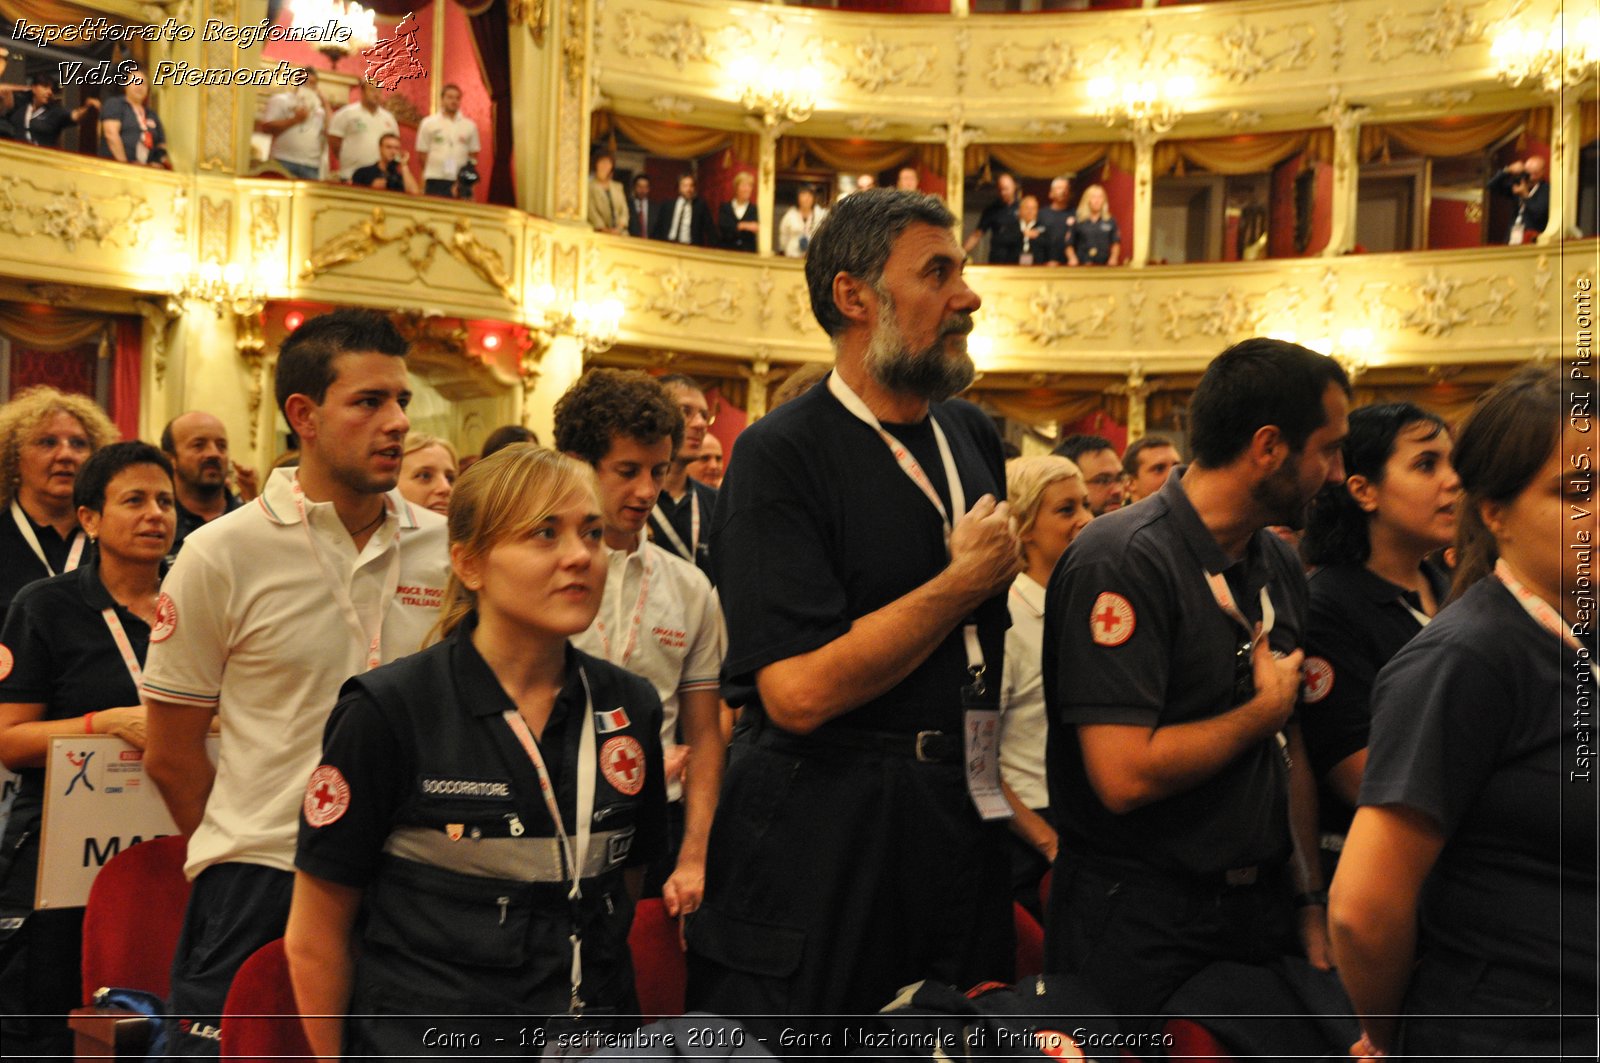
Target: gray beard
{"x": 930, "y": 373}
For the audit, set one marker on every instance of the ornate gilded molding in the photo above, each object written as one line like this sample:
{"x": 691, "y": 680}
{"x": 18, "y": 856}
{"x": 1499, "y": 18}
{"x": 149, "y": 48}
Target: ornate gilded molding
{"x": 1437, "y": 31}
{"x": 263, "y": 226}
{"x": 1050, "y": 315}
{"x": 872, "y": 64}
{"x": 1230, "y": 314}
{"x": 1048, "y": 66}
{"x": 1249, "y": 50}
{"x": 1435, "y": 305}
{"x": 680, "y": 298}
{"x": 680, "y": 41}
{"x": 68, "y": 216}
{"x": 673, "y": 106}
{"x": 159, "y": 313}
{"x": 532, "y": 14}
{"x": 417, "y": 242}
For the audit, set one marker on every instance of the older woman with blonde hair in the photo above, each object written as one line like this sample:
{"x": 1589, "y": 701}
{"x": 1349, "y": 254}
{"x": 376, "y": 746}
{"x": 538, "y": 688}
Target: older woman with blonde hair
{"x": 45, "y": 437}
{"x": 1050, "y": 503}
{"x": 428, "y": 471}
{"x": 503, "y": 883}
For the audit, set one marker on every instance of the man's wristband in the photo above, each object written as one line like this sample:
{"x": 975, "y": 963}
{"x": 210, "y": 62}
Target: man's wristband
{"x": 1311, "y": 899}
{"x": 88, "y": 723}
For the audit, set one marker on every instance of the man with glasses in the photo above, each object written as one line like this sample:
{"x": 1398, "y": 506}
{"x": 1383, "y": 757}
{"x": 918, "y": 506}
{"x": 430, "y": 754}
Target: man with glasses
{"x": 681, "y": 521}
{"x": 1171, "y": 668}
{"x": 1102, "y": 470}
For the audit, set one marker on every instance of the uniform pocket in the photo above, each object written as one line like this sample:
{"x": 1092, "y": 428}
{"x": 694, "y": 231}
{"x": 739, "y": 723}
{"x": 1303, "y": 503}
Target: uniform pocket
{"x": 445, "y": 916}
{"x": 763, "y": 949}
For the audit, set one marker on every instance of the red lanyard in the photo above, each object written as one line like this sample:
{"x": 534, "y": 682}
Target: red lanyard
{"x": 634, "y": 621}
{"x": 120, "y": 636}
{"x": 369, "y": 634}
{"x": 74, "y": 555}
{"x": 1542, "y": 612}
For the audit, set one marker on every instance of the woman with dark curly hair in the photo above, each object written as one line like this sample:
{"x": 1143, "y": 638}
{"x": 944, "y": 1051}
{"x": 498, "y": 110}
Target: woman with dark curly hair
{"x": 1374, "y": 587}
{"x": 45, "y": 436}
{"x": 1465, "y": 900}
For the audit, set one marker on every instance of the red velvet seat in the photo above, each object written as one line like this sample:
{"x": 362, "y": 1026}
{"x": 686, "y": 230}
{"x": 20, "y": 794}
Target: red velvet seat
{"x": 134, "y": 916}
{"x": 260, "y": 1020}
{"x": 659, "y": 970}
{"x": 1030, "y": 943}
{"x": 1193, "y": 1043}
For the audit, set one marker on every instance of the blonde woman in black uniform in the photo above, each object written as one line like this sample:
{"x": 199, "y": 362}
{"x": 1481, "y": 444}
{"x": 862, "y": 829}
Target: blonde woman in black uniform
{"x": 487, "y": 806}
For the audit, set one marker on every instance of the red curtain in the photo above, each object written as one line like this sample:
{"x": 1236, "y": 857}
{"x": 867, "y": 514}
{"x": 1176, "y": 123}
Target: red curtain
{"x": 71, "y": 370}
{"x": 491, "y": 35}
{"x": 126, "y": 360}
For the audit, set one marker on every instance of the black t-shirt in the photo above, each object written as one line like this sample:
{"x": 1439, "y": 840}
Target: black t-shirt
{"x": 681, "y": 514}
{"x": 1134, "y": 635}
{"x": 1484, "y": 723}
{"x": 999, "y": 220}
{"x": 188, "y": 522}
{"x": 45, "y": 129}
{"x": 392, "y": 181}
{"x": 818, "y": 526}
{"x": 61, "y": 655}
{"x": 1092, "y": 240}
{"x": 1359, "y": 620}
{"x": 1057, "y": 228}
{"x": 19, "y": 565}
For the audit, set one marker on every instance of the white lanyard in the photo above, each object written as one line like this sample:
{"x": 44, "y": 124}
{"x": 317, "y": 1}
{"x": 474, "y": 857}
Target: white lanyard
{"x": 124, "y": 646}
{"x": 913, "y": 469}
{"x": 632, "y": 627}
{"x": 1541, "y": 611}
{"x": 1422, "y": 618}
{"x": 1027, "y": 241}
{"x": 370, "y": 636}
{"x": 74, "y": 555}
{"x": 574, "y": 852}
{"x": 684, "y": 551}
{"x": 1224, "y": 596}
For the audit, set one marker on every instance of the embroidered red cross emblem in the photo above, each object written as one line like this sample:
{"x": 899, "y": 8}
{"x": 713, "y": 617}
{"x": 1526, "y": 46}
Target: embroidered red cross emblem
{"x": 327, "y": 796}
{"x": 323, "y": 797}
{"x": 622, "y": 762}
{"x": 1111, "y": 620}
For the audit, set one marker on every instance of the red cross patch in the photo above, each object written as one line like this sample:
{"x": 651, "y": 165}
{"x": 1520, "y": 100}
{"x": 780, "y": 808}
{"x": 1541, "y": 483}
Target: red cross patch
{"x": 166, "y": 619}
{"x": 1111, "y": 621}
{"x": 327, "y": 796}
{"x": 1316, "y": 680}
{"x": 622, "y": 761}
{"x": 7, "y": 661}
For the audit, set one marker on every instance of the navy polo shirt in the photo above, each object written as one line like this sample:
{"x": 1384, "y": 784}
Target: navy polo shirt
{"x": 1485, "y": 724}
{"x": 189, "y": 521}
{"x": 1359, "y": 620}
{"x": 1133, "y": 635}
{"x": 680, "y": 514}
{"x": 19, "y": 565}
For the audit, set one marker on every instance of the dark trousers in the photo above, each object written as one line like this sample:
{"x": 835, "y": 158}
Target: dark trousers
{"x": 1140, "y": 934}
{"x": 434, "y": 186}
{"x": 40, "y": 982}
{"x": 1461, "y": 1008}
{"x": 837, "y": 876}
{"x": 661, "y": 869}
{"x": 1028, "y": 867}
{"x": 234, "y": 909}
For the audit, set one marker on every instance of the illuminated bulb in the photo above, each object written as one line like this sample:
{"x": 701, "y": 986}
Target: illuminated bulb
{"x": 293, "y": 320}
{"x": 491, "y": 342}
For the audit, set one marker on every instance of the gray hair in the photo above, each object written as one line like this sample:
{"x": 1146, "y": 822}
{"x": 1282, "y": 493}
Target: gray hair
{"x": 856, "y": 237}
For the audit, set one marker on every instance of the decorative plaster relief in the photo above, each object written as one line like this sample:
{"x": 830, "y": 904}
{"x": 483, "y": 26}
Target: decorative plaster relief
{"x": 68, "y": 216}
{"x": 681, "y": 297}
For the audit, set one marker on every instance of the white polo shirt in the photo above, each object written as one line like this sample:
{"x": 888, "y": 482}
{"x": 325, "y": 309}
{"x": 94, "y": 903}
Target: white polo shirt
{"x": 362, "y": 130}
{"x": 302, "y": 143}
{"x": 448, "y": 142}
{"x": 250, "y": 623}
{"x": 1024, "y": 727}
{"x": 659, "y": 619}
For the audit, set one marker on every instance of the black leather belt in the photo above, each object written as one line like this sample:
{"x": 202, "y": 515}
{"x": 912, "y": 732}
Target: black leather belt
{"x": 927, "y": 747}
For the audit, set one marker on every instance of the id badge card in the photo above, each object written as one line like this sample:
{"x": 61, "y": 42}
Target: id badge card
{"x": 580, "y": 1036}
{"x": 1026, "y": 259}
{"x": 981, "y": 743}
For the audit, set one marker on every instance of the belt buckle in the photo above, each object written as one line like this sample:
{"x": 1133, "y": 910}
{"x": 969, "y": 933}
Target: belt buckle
{"x": 1241, "y": 876}
{"x": 921, "y": 751}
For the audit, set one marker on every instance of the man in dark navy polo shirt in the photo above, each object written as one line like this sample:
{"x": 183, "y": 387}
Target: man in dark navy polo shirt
{"x": 197, "y": 443}
{"x": 865, "y": 560}
{"x": 1171, "y": 667}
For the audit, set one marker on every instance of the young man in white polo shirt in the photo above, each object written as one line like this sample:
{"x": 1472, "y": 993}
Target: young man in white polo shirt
{"x": 448, "y": 140}
{"x": 659, "y": 617}
{"x": 267, "y": 611}
{"x": 357, "y": 129}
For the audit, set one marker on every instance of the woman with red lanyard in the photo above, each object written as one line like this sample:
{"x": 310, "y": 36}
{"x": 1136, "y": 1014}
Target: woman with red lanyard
{"x": 70, "y": 659}
{"x": 477, "y": 832}
{"x": 1465, "y": 898}
{"x": 129, "y": 128}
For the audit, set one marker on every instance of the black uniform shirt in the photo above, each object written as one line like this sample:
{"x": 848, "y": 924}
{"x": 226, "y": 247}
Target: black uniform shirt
{"x": 61, "y": 655}
{"x": 681, "y": 514}
{"x": 1478, "y": 723}
{"x": 818, "y": 526}
{"x": 380, "y": 767}
{"x": 999, "y": 220}
{"x": 19, "y": 565}
{"x": 1358, "y": 621}
{"x": 1058, "y": 226}
{"x": 1092, "y": 240}
{"x": 188, "y": 522}
{"x": 48, "y": 122}
{"x": 1133, "y": 635}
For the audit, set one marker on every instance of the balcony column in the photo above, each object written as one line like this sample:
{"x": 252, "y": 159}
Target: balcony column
{"x": 1565, "y": 136}
{"x": 1144, "y": 148}
{"x": 767, "y": 179}
{"x": 1346, "y": 123}
{"x": 551, "y": 366}
{"x": 957, "y": 136}
{"x": 758, "y": 390}
{"x": 550, "y": 49}
{"x": 1136, "y": 389}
